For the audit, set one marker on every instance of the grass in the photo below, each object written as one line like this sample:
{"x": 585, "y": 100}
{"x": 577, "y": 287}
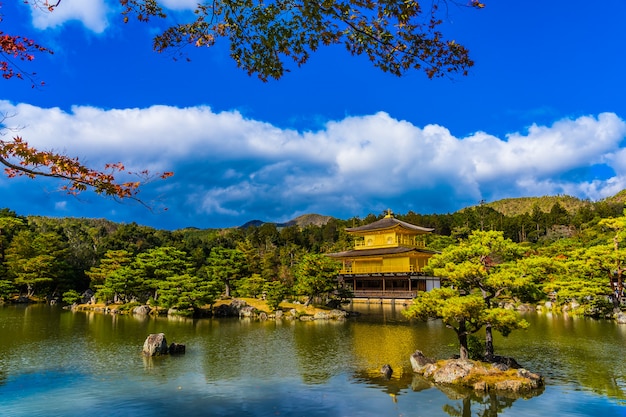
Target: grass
{"x": 261, "y": 305}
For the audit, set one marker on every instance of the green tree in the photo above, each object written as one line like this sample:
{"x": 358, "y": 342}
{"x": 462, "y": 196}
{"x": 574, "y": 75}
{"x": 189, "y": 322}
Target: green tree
{"x": 188, "y": 293}
{"x": 70, "y": 297}
{"x": 37, "y": 261}
{"x": 316, "y": 275}
{"x": 275, "y": 293}
{"x": 9, "y": 225}
{"x": 114, "y": 279}
{"x": 465, "y": 314}
{"x": 558, "y": 215}
{"x": 475, "y": 265}
{"x": 583, "y": 278}
{"x": 132, "y": 238}
{"x": 618, "y": 257}
{"x": 270, "y": 264}
{"x": 251, "y": 286}
{"x": 252, "y": 254}
{"x": 157, "y": 265}
{"x": 226, "y": 266}
{"x": 528, "y": 276}
{"x": 6, "y": 289}
{"x": 111, "y": 262}
{"x": 124, "y": 284}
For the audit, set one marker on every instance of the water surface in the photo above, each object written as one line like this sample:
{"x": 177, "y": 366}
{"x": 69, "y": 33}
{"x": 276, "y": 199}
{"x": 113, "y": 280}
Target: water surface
{"x": 59, "y": 363}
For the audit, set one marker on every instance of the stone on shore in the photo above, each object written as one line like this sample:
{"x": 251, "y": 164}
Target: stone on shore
{"x": 143, "y": 310}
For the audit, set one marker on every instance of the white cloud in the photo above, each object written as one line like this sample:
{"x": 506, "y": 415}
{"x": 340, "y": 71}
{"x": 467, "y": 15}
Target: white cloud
{"x": 90, "y": 13}
{"x": 179, "y": 4}
{"x": 60, "y": 206}
{"x": 228, "y": 165}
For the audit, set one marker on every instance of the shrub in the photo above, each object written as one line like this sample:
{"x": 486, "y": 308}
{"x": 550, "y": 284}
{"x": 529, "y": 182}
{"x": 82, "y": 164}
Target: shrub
{"x": 71, "y": 297}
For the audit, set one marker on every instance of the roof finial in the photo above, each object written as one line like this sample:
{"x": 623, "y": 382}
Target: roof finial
{"x": 389, "y": 213}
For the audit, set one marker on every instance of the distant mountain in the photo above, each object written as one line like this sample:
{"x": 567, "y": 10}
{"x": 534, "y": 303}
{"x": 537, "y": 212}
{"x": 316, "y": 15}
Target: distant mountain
{"x": 252, "y": 223}
{"x": 507, "y": 206}
{"x": 521, "y": 205}
{"x": 310, "y": 219}
{"x": 301, "y": 221}
{"x": 617, "y": 198}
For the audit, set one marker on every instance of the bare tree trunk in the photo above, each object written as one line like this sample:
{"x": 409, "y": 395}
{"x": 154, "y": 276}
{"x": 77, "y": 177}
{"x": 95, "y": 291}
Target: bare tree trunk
{"x": 488, "y": 342}
{"x": 462, "y": 334}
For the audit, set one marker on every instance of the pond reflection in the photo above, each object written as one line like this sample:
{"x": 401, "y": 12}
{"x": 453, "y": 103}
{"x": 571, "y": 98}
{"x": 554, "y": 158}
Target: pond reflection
{"x": 464, "y": 402}
{"x": 321, "y": 368}
{"x": 488, "y": 404}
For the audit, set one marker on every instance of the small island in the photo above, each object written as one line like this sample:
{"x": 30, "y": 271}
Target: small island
{"x": 503, "y": 375}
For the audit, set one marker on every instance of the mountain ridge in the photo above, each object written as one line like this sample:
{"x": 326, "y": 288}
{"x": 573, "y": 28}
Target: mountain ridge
{"x": 301, "y": 221}
{"x": 507, "y": 206}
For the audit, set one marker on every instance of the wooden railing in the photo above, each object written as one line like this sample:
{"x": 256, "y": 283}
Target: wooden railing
{"x": 408, "y": 242}
{"x": 376, "y": 269}
{"x": 384, "y": 294}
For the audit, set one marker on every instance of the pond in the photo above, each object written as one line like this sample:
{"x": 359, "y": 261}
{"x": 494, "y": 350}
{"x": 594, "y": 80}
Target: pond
{"x": 55, "y": 362}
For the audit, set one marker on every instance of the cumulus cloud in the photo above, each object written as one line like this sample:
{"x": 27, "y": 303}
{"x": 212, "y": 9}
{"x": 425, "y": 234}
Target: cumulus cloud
{"x": 180, "y": 4}
{"x": 230, "y": 166}
{"x": 92, "y": 14}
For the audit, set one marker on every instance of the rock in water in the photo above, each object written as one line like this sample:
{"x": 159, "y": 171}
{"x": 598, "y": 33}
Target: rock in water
{"x": 386, "y": 371}
{"x": 155, "y": 345}
{"x": 419, "y": 362}
{"x": 177, "y": 349}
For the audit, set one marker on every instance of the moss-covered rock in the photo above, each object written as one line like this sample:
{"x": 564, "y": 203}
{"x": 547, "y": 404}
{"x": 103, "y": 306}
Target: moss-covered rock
{"x": 480, "y": 376}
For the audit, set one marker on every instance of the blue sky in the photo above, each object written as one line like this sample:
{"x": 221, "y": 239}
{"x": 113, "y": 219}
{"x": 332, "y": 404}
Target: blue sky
{"x": 542, "y": 112}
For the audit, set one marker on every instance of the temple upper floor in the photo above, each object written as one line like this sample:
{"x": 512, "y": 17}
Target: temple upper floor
{"x": 388, "y": 232}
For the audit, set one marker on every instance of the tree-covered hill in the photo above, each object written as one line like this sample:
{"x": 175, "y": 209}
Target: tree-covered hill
{"x": 508, "y": 207}
{"x": 619, "y": 198}
{"x": 300, "y": 221}
{"x": 523, "y": 205}
{"x": 310, "y": 219}
{"x": 48, "y": 256}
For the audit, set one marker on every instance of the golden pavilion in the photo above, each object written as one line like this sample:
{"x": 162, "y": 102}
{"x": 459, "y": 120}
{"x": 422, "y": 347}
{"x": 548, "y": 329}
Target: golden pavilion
{"x": 387, "y": 260}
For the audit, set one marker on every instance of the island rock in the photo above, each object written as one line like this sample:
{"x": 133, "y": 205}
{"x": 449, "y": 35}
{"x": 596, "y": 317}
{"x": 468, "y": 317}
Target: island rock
{"x": 387, "y": 371}
{"x": 176, "y": 349}
{"x": 155, "y": 345}
{"x": 419, "y": 362}
{"x": 481, "y": 376}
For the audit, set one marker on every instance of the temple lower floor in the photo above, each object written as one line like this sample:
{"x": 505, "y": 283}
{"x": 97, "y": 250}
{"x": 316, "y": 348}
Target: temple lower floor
{"x": 388, "y": 285}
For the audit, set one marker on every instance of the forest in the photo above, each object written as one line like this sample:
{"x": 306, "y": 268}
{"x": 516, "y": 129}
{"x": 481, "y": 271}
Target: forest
{"x": 571, "y": 257}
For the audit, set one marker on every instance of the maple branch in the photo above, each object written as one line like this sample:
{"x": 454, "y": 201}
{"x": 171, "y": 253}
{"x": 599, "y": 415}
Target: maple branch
{"x": 34, "y": 163}
{"x": 62, "y": 167}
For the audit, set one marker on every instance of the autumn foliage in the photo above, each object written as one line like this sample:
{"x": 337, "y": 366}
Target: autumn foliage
{"x": 20, "y": 159}
{"x": 15, "y": 49}
{"x": 33, "y": 163}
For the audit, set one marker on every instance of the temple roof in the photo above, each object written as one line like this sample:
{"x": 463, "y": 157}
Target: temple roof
{"x": 378, "y": 252}
{"x": 388, "y": 222}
